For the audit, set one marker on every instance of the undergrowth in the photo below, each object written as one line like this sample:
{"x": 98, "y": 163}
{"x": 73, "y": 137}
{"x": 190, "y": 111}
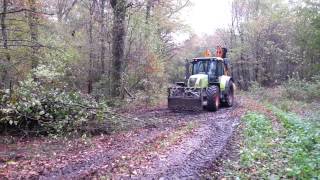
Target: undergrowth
{"x": 294, "y": 90}
{"x": 302, "y": 144}
{"x": 303, "y": 90}
{"x": 40, "y": 105}
{"x": 270, "y": 153}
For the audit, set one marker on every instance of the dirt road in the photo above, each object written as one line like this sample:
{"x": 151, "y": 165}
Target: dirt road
{"x": 181, "y": 145}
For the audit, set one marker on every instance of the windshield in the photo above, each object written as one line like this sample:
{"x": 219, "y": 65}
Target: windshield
{"x": 200, "y": 67}
{"x": 212, "y": 69}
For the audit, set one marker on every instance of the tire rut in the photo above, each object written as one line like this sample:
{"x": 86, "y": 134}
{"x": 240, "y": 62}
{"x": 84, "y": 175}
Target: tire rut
{"x": 185, "y": 160}
{"x": 195, "y": 154}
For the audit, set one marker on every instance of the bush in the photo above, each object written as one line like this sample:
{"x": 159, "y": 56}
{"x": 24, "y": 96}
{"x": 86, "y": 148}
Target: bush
{"x": 256, "y": 89}
{"x": 44, "y": 107}
{"x": 303, "y": 90}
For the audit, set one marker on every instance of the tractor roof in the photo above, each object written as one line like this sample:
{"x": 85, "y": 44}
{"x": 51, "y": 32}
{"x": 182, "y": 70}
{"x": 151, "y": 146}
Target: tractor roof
{"x": 207, "y": 58}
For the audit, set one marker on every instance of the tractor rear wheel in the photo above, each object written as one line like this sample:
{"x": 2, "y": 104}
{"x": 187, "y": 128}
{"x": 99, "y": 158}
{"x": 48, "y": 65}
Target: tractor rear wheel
{"x": 213, "y": 96}
{"x": 230, "y": 96}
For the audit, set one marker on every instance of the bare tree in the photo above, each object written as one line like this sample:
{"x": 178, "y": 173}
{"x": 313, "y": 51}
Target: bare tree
{"x": 91, "y": 53}
{"x": 64, "y": 7}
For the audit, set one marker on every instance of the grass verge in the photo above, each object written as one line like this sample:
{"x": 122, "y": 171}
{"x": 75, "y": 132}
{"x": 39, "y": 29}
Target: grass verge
{"x": 271, "y": 153}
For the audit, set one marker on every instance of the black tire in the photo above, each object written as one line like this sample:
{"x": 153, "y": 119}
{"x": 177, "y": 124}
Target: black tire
{"x": 229, "y": 96}
{"x": 213, "y": 97}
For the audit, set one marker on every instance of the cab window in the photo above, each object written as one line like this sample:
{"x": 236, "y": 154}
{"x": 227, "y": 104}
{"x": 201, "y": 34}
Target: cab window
{"x": 220, "y": 68}
{"x": 199, "y": 67}
{"x": 212, "y": 70}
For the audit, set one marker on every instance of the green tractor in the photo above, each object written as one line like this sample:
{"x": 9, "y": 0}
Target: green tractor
{"x": 209, "y": 87}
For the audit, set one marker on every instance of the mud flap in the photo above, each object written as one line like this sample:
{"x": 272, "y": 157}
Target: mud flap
{"x": 184, "y": 104}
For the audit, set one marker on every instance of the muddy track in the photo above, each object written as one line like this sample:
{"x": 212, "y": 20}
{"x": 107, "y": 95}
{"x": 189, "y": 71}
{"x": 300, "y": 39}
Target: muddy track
{"x": 194, "y": 154}
{"x": 185, "y": 159}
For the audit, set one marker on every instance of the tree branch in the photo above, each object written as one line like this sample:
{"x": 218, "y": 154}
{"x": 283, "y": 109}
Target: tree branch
{"x": 25, "y": 10}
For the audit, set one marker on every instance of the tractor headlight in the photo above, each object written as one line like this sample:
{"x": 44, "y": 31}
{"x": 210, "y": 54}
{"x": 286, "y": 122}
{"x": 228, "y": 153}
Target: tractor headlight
{"x": 192, "y": 82}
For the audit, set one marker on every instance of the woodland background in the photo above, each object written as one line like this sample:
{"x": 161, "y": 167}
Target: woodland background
{"x": 64, "y": 63}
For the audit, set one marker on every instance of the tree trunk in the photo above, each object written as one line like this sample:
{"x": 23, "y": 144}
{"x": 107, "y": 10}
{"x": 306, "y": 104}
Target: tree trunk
{"x": 5, "y": 76}
{"x": 60, "y": 6}
{"x": 34, "y": 36}
{"x": 102, "y": 37}
{"x": 148, "y": 10}
{"x": 118, "y": 44}
{"x": 232, "y": 29}
{"x": 90, "y": 34}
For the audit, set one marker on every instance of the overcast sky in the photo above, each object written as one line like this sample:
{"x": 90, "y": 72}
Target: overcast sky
{"x": 205, "y": 16}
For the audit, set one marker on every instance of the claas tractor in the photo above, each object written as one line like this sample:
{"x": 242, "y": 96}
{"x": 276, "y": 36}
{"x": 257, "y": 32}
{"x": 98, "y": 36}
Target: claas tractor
{"x": 209, "y": 87}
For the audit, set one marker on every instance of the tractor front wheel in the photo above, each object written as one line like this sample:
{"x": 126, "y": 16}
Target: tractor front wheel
{"x": 213, "y": 96}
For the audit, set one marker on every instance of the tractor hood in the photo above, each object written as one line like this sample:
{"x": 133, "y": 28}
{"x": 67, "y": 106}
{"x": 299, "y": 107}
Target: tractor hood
{"x": 198, "y": 81}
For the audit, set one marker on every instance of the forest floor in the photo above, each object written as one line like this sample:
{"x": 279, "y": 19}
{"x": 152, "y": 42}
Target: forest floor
{"x": 180, "y": 145}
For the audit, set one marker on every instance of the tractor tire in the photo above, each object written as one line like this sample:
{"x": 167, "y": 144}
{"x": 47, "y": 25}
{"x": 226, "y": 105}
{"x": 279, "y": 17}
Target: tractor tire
{"x": 213, "y": 97}
{"x": 229, "y": 99}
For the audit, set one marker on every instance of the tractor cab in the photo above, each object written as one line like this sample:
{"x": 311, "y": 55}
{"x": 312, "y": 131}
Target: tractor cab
{"x": 207, "y": 70}
{"x": 212, "y": 67}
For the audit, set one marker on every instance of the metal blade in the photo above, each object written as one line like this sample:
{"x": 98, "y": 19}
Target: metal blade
{"x": 184, "y": 104}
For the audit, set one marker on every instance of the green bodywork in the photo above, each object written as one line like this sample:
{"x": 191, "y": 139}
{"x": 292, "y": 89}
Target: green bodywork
{"x": 201, "y": 81}
{"x": 223, "y": 80}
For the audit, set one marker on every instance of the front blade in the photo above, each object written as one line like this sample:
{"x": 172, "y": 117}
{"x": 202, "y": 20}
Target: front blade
{"x": 184, "y": 104}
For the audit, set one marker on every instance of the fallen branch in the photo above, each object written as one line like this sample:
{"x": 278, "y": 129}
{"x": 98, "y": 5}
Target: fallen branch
{"x": 129, "y": 94}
